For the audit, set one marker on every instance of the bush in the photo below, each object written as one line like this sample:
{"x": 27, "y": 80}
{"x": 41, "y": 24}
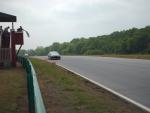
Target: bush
{"x": 94, "y": 52}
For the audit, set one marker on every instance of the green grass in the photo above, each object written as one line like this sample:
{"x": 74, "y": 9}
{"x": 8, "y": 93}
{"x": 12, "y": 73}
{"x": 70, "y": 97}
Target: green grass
{"x": 64, "y": 92}
{"x": 13, "y": 97}
{"x": 133, "y": 56}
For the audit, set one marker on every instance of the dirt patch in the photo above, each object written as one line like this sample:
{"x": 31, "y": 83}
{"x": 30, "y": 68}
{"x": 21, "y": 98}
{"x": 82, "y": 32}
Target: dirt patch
{"x": 13, "y": 93}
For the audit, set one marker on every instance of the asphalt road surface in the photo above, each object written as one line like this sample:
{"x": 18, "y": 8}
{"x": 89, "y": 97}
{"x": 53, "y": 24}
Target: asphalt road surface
{"x": 129, "y": 77}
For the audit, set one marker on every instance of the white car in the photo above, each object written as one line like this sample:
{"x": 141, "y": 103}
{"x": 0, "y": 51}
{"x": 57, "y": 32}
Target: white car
{"x": 54, "y": 55}
{"x": 26, "y": 54}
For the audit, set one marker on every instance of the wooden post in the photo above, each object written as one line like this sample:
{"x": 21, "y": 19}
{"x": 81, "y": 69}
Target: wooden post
{"x": 13, "y": 49}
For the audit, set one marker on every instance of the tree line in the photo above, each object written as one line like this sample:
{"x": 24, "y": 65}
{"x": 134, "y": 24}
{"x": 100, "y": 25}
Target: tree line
{"x": 132, "y": 41}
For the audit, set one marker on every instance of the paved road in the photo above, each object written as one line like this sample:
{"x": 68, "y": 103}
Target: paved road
{"x": 129, "y": 77}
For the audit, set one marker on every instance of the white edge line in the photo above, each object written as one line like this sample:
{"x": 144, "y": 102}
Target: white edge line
{"x": 110, "y": 90}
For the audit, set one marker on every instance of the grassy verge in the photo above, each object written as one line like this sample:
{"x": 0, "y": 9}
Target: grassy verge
{"x": 13, "y": 91}
{"x": 64, "y": 92}
{"x": 138, "y": 56}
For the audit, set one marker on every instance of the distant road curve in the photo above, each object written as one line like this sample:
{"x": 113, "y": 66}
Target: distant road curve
{"x": 129, "y": 77}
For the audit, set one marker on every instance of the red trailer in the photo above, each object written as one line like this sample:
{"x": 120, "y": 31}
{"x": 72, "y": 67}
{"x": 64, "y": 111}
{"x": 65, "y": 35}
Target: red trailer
{"x": 8, "y": 41}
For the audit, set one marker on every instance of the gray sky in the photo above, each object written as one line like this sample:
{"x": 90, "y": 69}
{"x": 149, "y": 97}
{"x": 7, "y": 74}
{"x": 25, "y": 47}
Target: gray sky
{"x": 51, "y": 21}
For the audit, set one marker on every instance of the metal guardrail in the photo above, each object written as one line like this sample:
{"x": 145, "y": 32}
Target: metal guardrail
{"x": 36, "y": 104}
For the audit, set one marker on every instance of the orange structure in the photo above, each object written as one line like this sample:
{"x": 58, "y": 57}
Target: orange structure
{"x": 8, "y": 41}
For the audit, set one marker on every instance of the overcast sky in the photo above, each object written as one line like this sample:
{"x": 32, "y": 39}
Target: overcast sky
{"x": 51, "y": 21}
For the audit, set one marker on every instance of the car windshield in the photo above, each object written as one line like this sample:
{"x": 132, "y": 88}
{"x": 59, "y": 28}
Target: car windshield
{"x": 54, "y": 53}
